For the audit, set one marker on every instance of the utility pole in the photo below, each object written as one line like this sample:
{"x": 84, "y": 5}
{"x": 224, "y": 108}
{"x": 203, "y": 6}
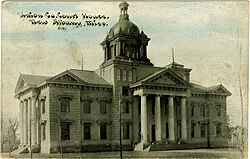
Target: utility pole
{"x": 30, "y": 140}
{"x": 120, "y": 106}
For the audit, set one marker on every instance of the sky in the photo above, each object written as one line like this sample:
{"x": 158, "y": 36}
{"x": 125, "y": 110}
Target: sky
{"x": 206, "y": 37}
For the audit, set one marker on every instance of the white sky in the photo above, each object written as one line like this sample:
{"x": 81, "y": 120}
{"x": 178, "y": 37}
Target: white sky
{"x": 205, "y": 36}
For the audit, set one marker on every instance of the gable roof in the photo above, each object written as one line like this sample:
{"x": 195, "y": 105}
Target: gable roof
{"x": 158, "y": 73}
{"x": 27, "y": 81}
{"x": 196, "y": 88}
{"x": 90, "y": 77}
{"x": 80, "y": 77}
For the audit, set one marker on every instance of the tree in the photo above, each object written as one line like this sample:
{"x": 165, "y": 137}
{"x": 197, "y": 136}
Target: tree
{"x": 9, "y": 127}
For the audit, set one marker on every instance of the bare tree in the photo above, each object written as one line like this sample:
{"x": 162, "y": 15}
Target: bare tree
{"x": 9, "y": 127}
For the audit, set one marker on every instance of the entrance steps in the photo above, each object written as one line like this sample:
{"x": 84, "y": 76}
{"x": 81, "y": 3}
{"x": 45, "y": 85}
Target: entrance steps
{"x": 21, "y": 149}
{"x": 170, "y": 146}
{"x": 142, "y": 146}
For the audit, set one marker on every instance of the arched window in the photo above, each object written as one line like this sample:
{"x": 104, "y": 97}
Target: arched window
{"x": 118, "y": 74}
{"x": 130, "y": 75}
{"x": 124, "y": 73}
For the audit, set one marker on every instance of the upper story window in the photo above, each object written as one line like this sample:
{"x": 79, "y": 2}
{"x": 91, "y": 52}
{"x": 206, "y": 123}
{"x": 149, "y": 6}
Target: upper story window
{"x": 202, "y": 111}
{"x": 43, "y": 131}
{"x": 119, "y": 74}
{"x": 86, "y": 106}
{"x": 124, "y": 75}
{"x": 130, "y": 75}
{"x": 218, "y": 110}
{"x": 65, "y": 104}
{"x": 43, "y": 106}
{"x": 192, "y": 110}
{"x": 126, "y": 107}
{"x": 103, "y": 107}
{"x": 125, "y": 90}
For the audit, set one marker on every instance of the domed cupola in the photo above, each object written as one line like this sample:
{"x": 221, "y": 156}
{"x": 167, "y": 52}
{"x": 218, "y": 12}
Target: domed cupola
{"x": 124, "y": 39}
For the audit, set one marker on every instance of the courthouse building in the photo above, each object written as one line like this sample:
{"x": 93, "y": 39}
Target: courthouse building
{"x": 155, "y": 107}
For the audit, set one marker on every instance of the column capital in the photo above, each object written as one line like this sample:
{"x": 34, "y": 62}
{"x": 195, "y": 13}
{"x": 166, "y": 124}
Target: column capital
{"x": 144, "y": 94}
{"x": 158, "y": 95}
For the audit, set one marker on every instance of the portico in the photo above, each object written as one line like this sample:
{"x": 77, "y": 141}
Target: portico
{"x": 174, "y": 92}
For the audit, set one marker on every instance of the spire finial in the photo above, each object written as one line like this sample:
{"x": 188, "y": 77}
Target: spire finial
{"x": 124, "y": 9}
{"x": 173, "y": 54}
{"x": 82, "y": 63}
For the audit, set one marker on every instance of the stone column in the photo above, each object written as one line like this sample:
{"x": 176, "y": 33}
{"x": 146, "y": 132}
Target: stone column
{"x": 25, "y": 123}
{"x": 144, "y": 123}
{"x": 38, "y": 113}
{"x": 171, "y": 118}
{"x": 29, "y": 119}
{"x": 158, "y": 118}
{"x": 183, "y": 119}
{"x": 21, "y": 122}
{"x": 33, "y": 121}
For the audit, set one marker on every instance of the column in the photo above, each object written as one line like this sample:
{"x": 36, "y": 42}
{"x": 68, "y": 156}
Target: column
{"x": 158, "y": 118}
{"x": 25, "y": 122}
{"x": 33, "y": 122}
{"x": 183, "y": 119}
{"x": 29, "y": 119}
{"x": 144, "y": 123}
{"x": 171, "y": 118}
{"x": 21, "y": 122}
{"x": 38, "y": 129}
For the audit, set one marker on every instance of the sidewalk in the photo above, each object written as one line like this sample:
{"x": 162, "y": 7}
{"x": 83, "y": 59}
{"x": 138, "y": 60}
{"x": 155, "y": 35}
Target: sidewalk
{"x": 175, "y": 154}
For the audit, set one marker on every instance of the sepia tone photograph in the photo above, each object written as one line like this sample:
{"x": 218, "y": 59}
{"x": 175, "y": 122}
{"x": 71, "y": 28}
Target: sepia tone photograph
{"x": 124, "y": 79}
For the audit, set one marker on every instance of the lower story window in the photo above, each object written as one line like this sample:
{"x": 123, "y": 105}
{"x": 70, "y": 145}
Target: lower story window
{"x": 192, "y": 130}
{"x": 203, "y": 130}
{"x": 126, "y": 130}
{"x": 87, "y": 130}
{"x": 43, "y": 132}
{"x": 103, "y": 131}
{"x": 65, "y": 130}
{"x": 218, "y": 129}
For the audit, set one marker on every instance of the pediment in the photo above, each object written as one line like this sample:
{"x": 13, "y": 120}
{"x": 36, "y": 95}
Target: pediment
{"x": 65, "y": 76}
{"x": 20, "y": 84}
{"x": 167, "y": 77}
{"x": 221, "y": 90}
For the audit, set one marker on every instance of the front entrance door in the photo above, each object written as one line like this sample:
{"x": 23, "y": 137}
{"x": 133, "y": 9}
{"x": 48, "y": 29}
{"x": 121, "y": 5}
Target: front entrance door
{"x": 153, "y": 133}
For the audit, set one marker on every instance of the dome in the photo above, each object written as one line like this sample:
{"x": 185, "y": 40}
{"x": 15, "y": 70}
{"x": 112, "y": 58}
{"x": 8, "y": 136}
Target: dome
{"x": 125, "y": 27}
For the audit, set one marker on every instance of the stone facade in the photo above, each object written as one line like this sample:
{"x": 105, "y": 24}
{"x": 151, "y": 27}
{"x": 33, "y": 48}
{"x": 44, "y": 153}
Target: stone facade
{"x": 86, "y": 110}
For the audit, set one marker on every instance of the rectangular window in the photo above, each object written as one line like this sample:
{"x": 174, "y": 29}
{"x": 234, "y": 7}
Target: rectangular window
{"x": 125, "y": 91}
{"x": 43, "y": 106}
{"x": 218, "y": 129}
{"x": 130, "y": 75}
{"x": 126, "y": 107}
{"x": 103, "y": 131}
{"x": 192, "y": 130}
{"x": 218, "y": 110}
{"x": 43, "y": 131}
{"x": 203, "y": 130}
{"x": 167, "y": 131}
{"x": 65, "y": 130}
{"x": 86, "y": 106}
{"x": 87, "y": 130}
{"x": 103, "y": 107}
{"x": 65, "y": 104}
{"x": 192, "y": 110}
{"x": 126, "y": 130}
{"x": 202, "y": 111}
